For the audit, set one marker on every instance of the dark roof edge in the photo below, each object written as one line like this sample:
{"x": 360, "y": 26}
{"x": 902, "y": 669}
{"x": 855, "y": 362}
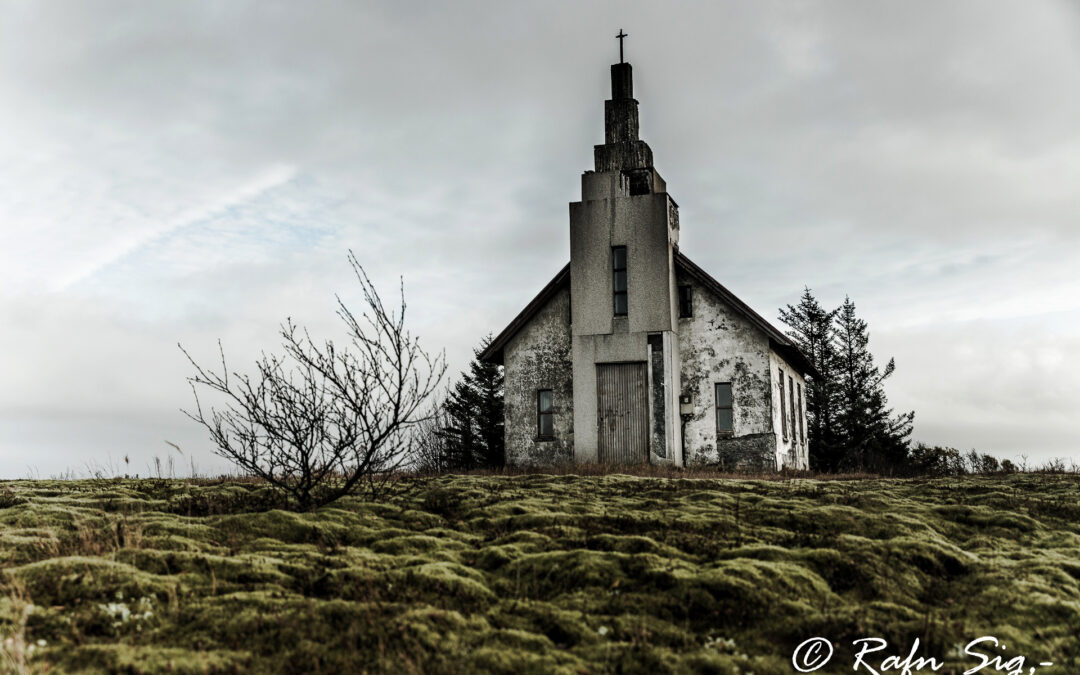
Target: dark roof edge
{"x": 494, "y": 351}
{"x": 781, "y": 343}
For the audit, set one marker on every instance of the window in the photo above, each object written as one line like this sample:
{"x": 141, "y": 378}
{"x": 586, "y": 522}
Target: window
{"x": 725, "y": 422}
{"x": 802, "y": 422}
{"x": 686, "y": 304}
{"x": 545, "y": 418}
{"x": 791, "y": 400}
{"x": 783, "y": 413}
{"x": 618, "y": 262}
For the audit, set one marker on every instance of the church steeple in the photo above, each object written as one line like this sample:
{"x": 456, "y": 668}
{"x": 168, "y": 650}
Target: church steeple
{"x": 622, "y": 149}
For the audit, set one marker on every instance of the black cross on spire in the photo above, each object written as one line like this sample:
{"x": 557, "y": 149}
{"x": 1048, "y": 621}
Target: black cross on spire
{"x": 621, "y": 35}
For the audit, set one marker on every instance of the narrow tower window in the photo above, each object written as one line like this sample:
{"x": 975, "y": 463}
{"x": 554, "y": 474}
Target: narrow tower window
{"x": 725, "y": 422}
{"x": 686, "y": 302}
{"x": 618, "y": 260}
{"x": 791, "y": 399}
{"x": 802, "y": 424}
{"x": 545, "y": 418}
{"x": 783, "y": 412}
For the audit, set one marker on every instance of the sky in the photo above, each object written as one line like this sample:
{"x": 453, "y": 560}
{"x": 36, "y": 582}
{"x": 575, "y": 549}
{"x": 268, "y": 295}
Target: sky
{"x": 178, "y": 172}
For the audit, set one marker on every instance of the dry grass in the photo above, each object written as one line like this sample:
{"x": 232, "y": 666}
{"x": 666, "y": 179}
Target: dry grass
{"x": 14, "y": 649}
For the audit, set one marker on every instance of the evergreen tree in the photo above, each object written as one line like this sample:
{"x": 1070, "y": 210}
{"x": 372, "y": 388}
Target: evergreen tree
{"x": 487, "y": 382}
{"x": 872, "y": 436}
{"x": 811, "y": 327}
{"x": 459, "y": 434}
{"x": 473, "y": 435}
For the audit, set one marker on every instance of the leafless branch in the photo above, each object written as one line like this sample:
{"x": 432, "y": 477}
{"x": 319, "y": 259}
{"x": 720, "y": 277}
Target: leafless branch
{"x": 319, "y": 421}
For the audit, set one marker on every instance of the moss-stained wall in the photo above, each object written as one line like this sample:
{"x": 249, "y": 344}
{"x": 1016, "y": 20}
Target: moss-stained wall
{"x": 718, "y": 345}
{"x": 538, "y": 357}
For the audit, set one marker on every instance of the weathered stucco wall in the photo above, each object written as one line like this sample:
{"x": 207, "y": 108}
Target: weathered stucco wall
{"x": 538, "y": 357}
{"x": 791, "y": 451}
{"x": 718, "y": 345}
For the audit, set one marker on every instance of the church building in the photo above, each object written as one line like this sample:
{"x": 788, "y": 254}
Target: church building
{"x": 632, "y": 353}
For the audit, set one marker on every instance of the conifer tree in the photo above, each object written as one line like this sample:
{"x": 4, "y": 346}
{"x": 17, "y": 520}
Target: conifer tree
{"x": 473, "y": 435}
{"x": 487, "y": 383}
{"x": 459, "y": 434}
{"x": 872, "y": 436}
{"x": 811, "y": 327}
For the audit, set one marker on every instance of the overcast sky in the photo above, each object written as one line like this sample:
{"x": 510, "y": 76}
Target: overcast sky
{"x": 183, "y": 172}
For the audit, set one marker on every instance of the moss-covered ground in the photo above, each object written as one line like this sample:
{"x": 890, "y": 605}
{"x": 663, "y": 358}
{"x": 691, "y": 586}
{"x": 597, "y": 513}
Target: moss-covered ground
{"x": 536, "y": 574}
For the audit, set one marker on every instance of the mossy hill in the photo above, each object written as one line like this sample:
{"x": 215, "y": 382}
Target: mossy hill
{"x": 536, "y": 574}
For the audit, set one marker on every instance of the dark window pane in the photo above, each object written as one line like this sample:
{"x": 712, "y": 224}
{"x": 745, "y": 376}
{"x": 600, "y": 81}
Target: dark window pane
{"x": 791, "y": 400}
{"x": 723, "y": 395}
{"x": 783, "y": 410}
{"x": 620, "y": 281}
{"x": 686, "y": 306}
{"x": 618, "y": 255}
{"x": 546, "y": 425}
{"x": 545, "y": 401}
{"x": 620, "y": 304}
{"x": 723, "y": 419}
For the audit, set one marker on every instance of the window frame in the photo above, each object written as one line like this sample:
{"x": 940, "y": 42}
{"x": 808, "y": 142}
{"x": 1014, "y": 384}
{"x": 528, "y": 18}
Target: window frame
{"x": 723, "y": 433}
{"x": 783, "y": 407}
{"x": 802, "y": 417}
{"x": 541, "y": 414}
{"x": 615, "y": 269}
{"x": 686, "y": 305}
{"x": 791, "y": 398}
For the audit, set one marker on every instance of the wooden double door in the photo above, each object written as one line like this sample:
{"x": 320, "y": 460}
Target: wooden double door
{"x": 622, "y": 391}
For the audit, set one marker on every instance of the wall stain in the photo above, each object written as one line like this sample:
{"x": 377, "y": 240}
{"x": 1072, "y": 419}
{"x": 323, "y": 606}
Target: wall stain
{"x": 538, "y": 357}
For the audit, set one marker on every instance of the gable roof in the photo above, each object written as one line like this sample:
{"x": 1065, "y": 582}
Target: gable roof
{"x": 777, "y": 339}
{"x": 494, "y": 351}
{"x": 780, "y": 342}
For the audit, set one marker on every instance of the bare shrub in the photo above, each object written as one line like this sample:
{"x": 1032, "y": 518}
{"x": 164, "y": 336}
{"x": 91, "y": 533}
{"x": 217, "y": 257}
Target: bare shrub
{"x": 319, "y": 422}
{"x": 430, "y": 453}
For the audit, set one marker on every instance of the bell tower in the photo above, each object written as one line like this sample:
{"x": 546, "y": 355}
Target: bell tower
{"x": 623, "y": 234}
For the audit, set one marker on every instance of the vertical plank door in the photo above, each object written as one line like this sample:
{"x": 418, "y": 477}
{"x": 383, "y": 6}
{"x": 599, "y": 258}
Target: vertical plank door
{"x": 622, "y": 413}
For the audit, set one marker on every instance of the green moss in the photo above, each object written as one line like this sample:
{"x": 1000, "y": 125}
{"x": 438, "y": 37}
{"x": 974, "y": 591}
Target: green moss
{"x": 512, "y": 660}
{"x": 443, "y": 583}
{"x": 546, "y": 575}
{"x": 417, "y": 544}
{"x": 536, "y": 573}
{"x": 145, "y": 659}
{"x": 62, "y": 581}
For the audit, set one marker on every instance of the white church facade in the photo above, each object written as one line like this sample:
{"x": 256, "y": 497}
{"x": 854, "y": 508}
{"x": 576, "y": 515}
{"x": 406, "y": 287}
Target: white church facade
{"x": 632, "y": 353}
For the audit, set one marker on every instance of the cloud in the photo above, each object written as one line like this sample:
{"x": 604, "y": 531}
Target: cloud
{"x": 267, "y": 179}
{"x": 186, "y": 172}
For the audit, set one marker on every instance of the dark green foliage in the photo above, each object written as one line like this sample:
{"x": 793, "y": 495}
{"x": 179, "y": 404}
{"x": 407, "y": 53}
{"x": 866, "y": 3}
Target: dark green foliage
{"x": 927, "y": 460}
{"x": 473, "y": 433}
{"x": 811, "y": 327}
{"x": 872, "y": 436}
{"x": 850, "y": 425}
